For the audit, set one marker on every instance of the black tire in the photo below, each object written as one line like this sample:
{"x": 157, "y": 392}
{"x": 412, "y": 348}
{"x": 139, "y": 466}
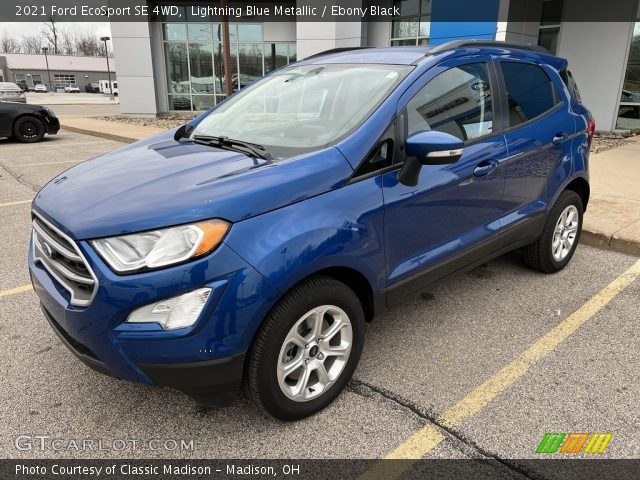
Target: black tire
{"x": 539, "y": 255}
{"x": 261, "y": 381}
{"x": 28, "y": 129}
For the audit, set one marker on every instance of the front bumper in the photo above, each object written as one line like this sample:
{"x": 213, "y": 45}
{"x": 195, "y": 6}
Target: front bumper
{"x": 52, "y": 124}
{"x": 205, "y": 360}
{"x": 212, "y": 382}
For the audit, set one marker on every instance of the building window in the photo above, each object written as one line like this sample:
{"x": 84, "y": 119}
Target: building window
{"x": 278, "y": 55}
{"x": 61, "y": 81}
{"x": 412, "y": 26}
{"x": 550, "y": 25}
{"x": 21, "y": 80}
{"x": 36, "y": 79}
{"x": 629, "y": 110}
{"x": 194, "y": 62}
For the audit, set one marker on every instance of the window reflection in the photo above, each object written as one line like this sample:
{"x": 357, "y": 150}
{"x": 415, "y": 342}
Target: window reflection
{"x": 413, "y": 25}
{"x": 194, "y": 57}
{"x": 629, "y": 109}
{"x": 201, "y": 64}
{"x": 458, "y": 101}
{"x": 177, "y": 67}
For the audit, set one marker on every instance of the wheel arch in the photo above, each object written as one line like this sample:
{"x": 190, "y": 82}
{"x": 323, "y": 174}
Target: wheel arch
{"x": 356, "y": 281}
{"x": 27, "y": 114}
{"x": 581, "y": 186}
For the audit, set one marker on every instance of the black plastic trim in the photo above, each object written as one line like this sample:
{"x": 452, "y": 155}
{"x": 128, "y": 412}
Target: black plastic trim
{"x": 517, "y": 236}
{"x": 212, "y": 382}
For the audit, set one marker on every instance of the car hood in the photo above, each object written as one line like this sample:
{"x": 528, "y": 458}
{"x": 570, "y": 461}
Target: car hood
{"x": 160, "y": 182}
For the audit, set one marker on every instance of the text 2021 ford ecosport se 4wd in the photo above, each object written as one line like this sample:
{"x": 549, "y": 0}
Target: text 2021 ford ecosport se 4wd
{"x": 251, "y": 245}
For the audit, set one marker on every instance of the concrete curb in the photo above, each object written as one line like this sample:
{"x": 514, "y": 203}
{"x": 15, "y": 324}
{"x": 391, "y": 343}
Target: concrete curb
{"x": 95, "y": 133}
{"x": 610, "y": 242}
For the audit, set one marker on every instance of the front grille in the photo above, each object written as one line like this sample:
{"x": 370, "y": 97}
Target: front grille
{"x": 62, "y": 258}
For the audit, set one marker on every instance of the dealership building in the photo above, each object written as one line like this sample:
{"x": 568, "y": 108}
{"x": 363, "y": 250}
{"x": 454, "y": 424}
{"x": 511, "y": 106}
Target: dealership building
{"x": 55, "y": 71}
{"x": 176, "y": 64}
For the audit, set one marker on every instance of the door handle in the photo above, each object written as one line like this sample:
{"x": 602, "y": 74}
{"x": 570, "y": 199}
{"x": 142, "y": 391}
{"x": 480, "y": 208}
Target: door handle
{"x": 559, "y": 138}
{"x": 485, "y": 167}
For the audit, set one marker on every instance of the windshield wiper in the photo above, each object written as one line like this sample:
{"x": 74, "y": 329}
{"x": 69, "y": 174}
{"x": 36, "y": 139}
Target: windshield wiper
{"x": 252, "y": 149}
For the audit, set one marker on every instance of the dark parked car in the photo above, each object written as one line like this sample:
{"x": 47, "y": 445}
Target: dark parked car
{"x": 27, "y": 123}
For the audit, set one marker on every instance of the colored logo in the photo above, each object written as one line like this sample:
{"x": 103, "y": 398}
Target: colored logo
{"x": 574, "y": 442}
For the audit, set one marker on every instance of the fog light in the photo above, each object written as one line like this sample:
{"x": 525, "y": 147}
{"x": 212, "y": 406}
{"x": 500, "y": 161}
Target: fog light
{"x": 176, "y": 312}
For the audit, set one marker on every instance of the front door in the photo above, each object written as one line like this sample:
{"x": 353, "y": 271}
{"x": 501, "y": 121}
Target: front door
{"x": 452, "y": 216}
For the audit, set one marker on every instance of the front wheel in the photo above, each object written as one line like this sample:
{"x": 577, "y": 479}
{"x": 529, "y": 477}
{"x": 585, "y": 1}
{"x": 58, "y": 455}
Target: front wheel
{"x": 28, "y": 130}
{"x": 555, "y": 247}
{"x": 307, "y": 349}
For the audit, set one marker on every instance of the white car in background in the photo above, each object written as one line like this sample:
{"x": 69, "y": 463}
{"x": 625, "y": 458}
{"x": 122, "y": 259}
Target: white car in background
{"x": 73, "y": 88}
{"x": 11, "y": 92}
{"x": 40, "y": 87}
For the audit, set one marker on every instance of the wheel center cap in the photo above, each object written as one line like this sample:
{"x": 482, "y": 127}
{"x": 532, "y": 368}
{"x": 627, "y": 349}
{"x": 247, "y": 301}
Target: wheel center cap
{"x": 313, "y": 351}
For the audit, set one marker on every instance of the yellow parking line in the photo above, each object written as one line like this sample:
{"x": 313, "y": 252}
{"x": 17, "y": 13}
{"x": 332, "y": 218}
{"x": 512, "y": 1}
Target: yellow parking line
{"x": 15, "y": 291}
{"x": 15, "y": 203}
{"x": 429, "y": 437}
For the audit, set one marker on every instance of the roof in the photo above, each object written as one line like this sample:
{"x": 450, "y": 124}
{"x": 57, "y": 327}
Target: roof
{"x": 384, "y": 55}
{"x": 36, "y": 61}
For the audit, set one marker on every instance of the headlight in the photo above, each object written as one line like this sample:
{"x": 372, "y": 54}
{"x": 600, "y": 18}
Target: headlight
{"x": 160, "y": 248}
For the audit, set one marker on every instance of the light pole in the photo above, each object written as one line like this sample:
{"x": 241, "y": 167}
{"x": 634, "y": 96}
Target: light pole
{"x": 106, "y": 54}
{"x": 44, "y": 50}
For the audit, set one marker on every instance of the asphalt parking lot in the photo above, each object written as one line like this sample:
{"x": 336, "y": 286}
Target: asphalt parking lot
{"x": 458, "y": 372}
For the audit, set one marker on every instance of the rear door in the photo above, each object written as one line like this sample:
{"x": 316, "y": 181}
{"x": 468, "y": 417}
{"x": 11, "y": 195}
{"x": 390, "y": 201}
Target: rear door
{"x": 539, "y": 135}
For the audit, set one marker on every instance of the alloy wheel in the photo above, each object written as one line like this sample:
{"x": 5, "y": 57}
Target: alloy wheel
{"x": 28, "y": 129}
{"x": 314, "y": 353}
{"x": 565, "y": 232}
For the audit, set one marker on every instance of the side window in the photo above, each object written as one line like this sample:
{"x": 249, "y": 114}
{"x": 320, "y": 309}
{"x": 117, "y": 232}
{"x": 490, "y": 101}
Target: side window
{"x": 571, "y": 84}
{"x": 457, "y": 101}
{"x": 529, "y": 91}
{"x": 381, "y": 156}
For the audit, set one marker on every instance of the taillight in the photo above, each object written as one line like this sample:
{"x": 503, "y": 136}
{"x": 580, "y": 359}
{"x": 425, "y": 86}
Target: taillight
{"x": 591, "y": 127}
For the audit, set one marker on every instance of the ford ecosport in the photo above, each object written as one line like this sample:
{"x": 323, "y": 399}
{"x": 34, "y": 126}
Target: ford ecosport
{"x": 251, "y": 245}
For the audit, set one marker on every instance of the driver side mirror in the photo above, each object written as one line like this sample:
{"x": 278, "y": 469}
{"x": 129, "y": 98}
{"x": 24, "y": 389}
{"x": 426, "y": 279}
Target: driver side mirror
{"x": 428, "y": 148}
{"x": 182, "y": 132}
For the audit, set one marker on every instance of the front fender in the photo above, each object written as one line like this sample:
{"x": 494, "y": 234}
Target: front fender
{"x": 341, "y": 228}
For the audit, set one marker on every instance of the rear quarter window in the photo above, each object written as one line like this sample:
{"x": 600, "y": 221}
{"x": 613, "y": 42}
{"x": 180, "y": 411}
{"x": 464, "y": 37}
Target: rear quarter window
{"x": 571, "y": 85}
{"x": 529, "y": 91}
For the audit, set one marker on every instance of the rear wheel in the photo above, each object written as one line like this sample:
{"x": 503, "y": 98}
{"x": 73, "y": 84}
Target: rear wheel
{"x": 555, "y": 247}
{"x": 28, "y": 129}
{"x": 307, "y": 349}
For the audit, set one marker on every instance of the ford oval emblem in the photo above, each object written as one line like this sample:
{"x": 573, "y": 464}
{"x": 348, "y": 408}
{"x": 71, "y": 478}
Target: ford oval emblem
{"x": 46, "y": 249}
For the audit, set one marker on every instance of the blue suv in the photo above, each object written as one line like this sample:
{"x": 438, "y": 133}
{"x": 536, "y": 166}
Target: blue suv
{"x": 250, "y": 246}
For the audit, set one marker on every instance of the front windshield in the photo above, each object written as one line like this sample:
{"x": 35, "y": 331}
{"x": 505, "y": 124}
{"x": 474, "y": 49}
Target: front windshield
{"x": 303, "y": 107}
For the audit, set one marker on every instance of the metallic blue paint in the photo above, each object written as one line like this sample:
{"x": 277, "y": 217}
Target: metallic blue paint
{"x": 295, "y": 217}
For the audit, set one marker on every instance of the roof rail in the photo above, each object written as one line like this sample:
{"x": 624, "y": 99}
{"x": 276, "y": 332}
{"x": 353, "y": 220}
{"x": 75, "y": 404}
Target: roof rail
{"x": 335, "y": 50}
{"x": 488, "y": 43}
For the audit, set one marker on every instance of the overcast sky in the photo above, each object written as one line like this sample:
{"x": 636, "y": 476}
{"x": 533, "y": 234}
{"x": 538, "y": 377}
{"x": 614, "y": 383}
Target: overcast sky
{"x": 17, "y": 29}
